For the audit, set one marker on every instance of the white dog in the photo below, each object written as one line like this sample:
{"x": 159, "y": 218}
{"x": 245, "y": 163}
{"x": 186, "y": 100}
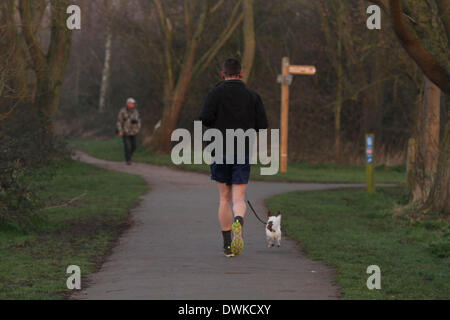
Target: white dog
{"x": 273, "y": 229}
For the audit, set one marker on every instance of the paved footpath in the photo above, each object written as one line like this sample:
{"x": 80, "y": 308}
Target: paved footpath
{"x": 173, "y": 248}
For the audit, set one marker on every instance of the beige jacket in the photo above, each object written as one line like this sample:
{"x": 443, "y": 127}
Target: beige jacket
{"x": 128, "y": 122}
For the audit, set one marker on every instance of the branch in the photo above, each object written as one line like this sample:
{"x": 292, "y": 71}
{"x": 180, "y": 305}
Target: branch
{"x": 4, "y": 116}
{"x": 29, "y": 33}
{"x": 217, "y": 6}
{"x": 186, "y": 72}
{"x": 208, "y": 56}
{"x": 444, "y": 9}
{"x": 68, "y": 203}
{"x": 202, "y": 21}
{"x": 414, "y": 47}
{"x": 249, "y": 39}
{"x": 383, "y": 4}
{"x": 187, "y": 19}
{"x": 60, "y": 39}
{"x": 167, "y": 30}
{"x": 353, "y": 95}
{"x": 161, "y": 15}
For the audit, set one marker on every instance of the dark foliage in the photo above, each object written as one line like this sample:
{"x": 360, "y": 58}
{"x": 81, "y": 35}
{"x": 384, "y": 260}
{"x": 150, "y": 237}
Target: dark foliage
{"x": 27, "y": 160}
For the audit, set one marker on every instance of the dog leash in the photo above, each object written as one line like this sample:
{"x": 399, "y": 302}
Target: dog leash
{"x": 256, "y": 215}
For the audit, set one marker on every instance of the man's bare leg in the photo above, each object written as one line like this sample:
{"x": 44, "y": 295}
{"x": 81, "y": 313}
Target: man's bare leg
{"x": 239, "y": 208}
{"x": 225, "y": 216}
{"x": 238, "y": 193}
{"x": 225, "y": 213}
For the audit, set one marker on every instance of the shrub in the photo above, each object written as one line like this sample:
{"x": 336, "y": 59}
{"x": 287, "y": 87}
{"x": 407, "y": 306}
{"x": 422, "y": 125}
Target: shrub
{"x": 27, "y": 160}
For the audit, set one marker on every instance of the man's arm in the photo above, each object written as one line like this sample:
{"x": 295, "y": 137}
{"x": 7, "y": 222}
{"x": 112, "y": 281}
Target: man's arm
{"x": 120, "y": 123}
{"x": 209, "y": 111}
{"x": 261, "y": 117}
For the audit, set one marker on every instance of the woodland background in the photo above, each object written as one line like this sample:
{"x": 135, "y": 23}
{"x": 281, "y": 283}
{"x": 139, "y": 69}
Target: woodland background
{"x": 376, "y": 84}
{"x": 167, "y": 55}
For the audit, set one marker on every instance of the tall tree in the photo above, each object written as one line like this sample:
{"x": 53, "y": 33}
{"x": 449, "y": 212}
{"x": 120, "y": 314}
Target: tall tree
{"x": 178, "y": 77}
{"x": 356, "y": 71}
{"x": 14, "y": 87}
{"x": 426, "y": 142}
{"x": 110, "y": 5}
{"x": 422, "y": 28}
{"x": 49, "y": 66}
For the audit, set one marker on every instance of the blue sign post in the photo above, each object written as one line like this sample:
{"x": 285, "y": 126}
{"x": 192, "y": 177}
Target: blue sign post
{"x": 370, "y": 179}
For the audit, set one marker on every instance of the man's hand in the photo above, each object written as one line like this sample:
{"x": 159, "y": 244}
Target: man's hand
{"x": 121, "y": 134}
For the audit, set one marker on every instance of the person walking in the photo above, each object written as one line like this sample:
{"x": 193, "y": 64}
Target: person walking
{"x": 128, "y": 126}
{"x": 232, "y": 105}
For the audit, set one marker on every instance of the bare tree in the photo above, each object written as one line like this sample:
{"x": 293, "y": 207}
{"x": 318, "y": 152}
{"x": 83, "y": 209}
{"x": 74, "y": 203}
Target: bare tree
{"x": 358, "y": 73}
{"x": 14, "y": 87}
{"x": 434, "y": 59}
{"x": 106, "y": 74}
{"x": 178, "y": 76}
{"x": 428, "y": 45}
{"x": 49, "y": 66}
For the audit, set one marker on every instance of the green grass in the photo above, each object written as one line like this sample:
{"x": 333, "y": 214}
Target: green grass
{"x": 33, "y": 264}
{"x": 350, "y": 230}
{"x": 112, "y": 150}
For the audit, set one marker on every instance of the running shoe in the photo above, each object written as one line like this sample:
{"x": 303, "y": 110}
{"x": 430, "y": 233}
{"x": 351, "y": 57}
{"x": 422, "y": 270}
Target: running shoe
{"x": 237, "y": 245}
{"x": 228, "y": 252}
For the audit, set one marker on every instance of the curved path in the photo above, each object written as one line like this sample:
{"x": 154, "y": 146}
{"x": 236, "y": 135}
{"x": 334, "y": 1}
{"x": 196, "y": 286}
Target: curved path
{"x": 173, "y": 248}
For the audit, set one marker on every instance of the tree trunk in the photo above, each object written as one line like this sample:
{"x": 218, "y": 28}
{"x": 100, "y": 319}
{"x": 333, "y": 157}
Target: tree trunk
{"x": 161, "y": 141}
{"x": 337, "y": 123}
{"x": 339, "y": 97}
{"x": 110, "y": 6}
{"x": 249, "y": 39}
{"x": 106, "y": 73}
{"x": 431, "y": 125}
{"x": 17, "y": 59}
{"x": 434, "y": 186}
{"x": 439, "y": 197}
{"x": 50, "y": 67}
{"x": 411, "y": 168}
{"x": 176, "y": 88}
{"x": 428, "y": 142}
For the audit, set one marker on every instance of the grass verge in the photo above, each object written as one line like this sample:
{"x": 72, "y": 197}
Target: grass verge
{"x": 86, "y": 209}
{"x": 351, "y": 230}
{"x": 112, "y": 150}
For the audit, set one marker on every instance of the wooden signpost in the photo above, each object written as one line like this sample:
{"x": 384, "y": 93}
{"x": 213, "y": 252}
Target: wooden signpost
{"x": 287, "y": 70}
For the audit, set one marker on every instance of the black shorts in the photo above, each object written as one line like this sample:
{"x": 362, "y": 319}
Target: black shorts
{"x": 231, "y": 173}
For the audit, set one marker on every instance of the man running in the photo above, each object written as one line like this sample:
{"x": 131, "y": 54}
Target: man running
{"x": 128, "y": 125}
{"x": 231, "y": 105}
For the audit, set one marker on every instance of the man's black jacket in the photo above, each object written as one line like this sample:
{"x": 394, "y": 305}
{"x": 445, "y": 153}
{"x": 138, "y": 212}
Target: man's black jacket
{"x": 231, "y": 105}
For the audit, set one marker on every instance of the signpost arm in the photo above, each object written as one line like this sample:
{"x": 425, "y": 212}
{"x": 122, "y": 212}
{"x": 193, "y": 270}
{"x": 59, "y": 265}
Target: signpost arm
{"x": 284, "y": 113}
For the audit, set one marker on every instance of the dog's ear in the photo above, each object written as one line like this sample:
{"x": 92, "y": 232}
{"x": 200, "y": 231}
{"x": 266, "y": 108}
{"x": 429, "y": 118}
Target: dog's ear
{"x": 278, "y": 213}
{"x": 269, "y": 214}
